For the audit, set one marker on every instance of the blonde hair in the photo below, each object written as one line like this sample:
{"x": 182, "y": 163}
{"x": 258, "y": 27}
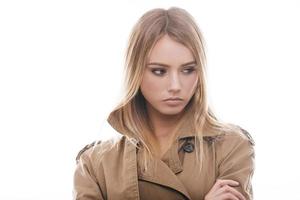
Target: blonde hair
{"x": 130, "y": 116}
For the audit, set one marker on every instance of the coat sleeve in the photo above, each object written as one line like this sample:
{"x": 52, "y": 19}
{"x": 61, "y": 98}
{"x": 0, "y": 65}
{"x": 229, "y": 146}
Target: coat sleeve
{"x": 85, "y": 184}
{"x": 235, "y": 161}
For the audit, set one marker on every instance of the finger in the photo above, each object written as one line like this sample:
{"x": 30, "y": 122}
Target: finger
{"x": 228, "y": 196}
{"x": 237, "y": 193}
{"x": 228, "y": 189}
{"x": 223, "y": 182}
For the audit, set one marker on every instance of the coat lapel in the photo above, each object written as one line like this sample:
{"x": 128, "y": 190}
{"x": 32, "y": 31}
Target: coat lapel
{"x": 159, "y": 172}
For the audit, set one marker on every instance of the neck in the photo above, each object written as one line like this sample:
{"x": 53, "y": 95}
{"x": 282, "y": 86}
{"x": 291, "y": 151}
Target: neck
{"x": 162, "y": 124}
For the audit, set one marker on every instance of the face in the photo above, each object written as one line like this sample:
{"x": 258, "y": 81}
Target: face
{"x": 170, "y": 73}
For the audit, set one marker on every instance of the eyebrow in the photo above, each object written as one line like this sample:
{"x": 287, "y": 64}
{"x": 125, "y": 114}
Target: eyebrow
{"x": 165, "y": 65}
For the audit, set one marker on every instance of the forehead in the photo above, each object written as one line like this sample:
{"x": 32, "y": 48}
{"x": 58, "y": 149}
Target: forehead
{"x": 170, "y": 51}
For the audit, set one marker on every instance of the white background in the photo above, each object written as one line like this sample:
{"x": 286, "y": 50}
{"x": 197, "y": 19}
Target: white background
{"x": 61, "y": 68}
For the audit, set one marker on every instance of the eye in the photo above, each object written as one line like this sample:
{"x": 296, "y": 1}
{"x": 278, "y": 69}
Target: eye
{"x": 158, "y": 71}
{"x": 189, "y": 70}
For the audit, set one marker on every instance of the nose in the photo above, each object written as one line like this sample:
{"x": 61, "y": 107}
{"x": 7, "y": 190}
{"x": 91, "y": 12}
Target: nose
{"x": 174, "y": 83}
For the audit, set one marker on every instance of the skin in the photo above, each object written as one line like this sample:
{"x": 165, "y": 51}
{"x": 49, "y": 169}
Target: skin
{"x": 167, "y": 74}
{"x": 224, "y": 189}
{"x": 170, "y": 72}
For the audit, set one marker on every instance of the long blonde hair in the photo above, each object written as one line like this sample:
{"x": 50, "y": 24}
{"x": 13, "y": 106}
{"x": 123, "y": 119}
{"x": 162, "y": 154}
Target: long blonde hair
{"x": 130, "y": 116}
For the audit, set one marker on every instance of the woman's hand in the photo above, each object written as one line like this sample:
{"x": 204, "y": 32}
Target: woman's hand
{"x": 223, "y": 189}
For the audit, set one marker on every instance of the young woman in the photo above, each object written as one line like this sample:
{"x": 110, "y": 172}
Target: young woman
{"x": 165, "y": 141}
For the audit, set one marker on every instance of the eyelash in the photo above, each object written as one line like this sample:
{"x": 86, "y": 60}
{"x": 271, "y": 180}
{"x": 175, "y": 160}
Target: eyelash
{"x": 190, "y": 70}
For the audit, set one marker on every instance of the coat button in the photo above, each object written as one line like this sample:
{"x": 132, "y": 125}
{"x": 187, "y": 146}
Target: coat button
{"x": 188, "y": 147}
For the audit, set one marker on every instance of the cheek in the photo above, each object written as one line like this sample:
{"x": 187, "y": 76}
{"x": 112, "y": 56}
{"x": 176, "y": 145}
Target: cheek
{"x": 191, "y": 83}
{"x": 151, "y": 87}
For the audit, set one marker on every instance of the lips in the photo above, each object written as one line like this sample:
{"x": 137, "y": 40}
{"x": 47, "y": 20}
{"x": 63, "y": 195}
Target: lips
{"x": 173, "y": 99}
{"x": 173, "y": 102}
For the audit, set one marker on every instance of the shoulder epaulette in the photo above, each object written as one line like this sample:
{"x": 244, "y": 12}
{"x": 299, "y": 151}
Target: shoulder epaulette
{"x": 211, "y": 139}
{"x": 86, "y": 148}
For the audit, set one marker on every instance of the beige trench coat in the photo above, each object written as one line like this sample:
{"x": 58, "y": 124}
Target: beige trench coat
{"x": 108, "y": 169}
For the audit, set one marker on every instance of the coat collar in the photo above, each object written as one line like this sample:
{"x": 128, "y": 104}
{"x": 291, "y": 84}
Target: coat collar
{"x": 185, "y": 131}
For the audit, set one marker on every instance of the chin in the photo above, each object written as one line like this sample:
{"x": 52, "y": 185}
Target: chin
{"x": 171, "y": 111}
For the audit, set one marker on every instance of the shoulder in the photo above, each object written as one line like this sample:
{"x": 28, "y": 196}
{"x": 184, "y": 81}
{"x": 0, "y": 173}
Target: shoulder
{"x": 235, "y": 143}
{"x": 235, "y": 135}
{"x": 248, "y": 135}
{"x": 108, "y": 139}
{"x": 97, "y": 149}
{"x": 85, "y": 148}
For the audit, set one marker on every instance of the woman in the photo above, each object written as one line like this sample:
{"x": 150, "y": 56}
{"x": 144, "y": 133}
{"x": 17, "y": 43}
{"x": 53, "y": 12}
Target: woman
{"x": 166, "y": 143}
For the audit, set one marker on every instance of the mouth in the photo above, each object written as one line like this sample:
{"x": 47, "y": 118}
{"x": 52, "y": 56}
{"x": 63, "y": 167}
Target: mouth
{"x": 173, "y": 99}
